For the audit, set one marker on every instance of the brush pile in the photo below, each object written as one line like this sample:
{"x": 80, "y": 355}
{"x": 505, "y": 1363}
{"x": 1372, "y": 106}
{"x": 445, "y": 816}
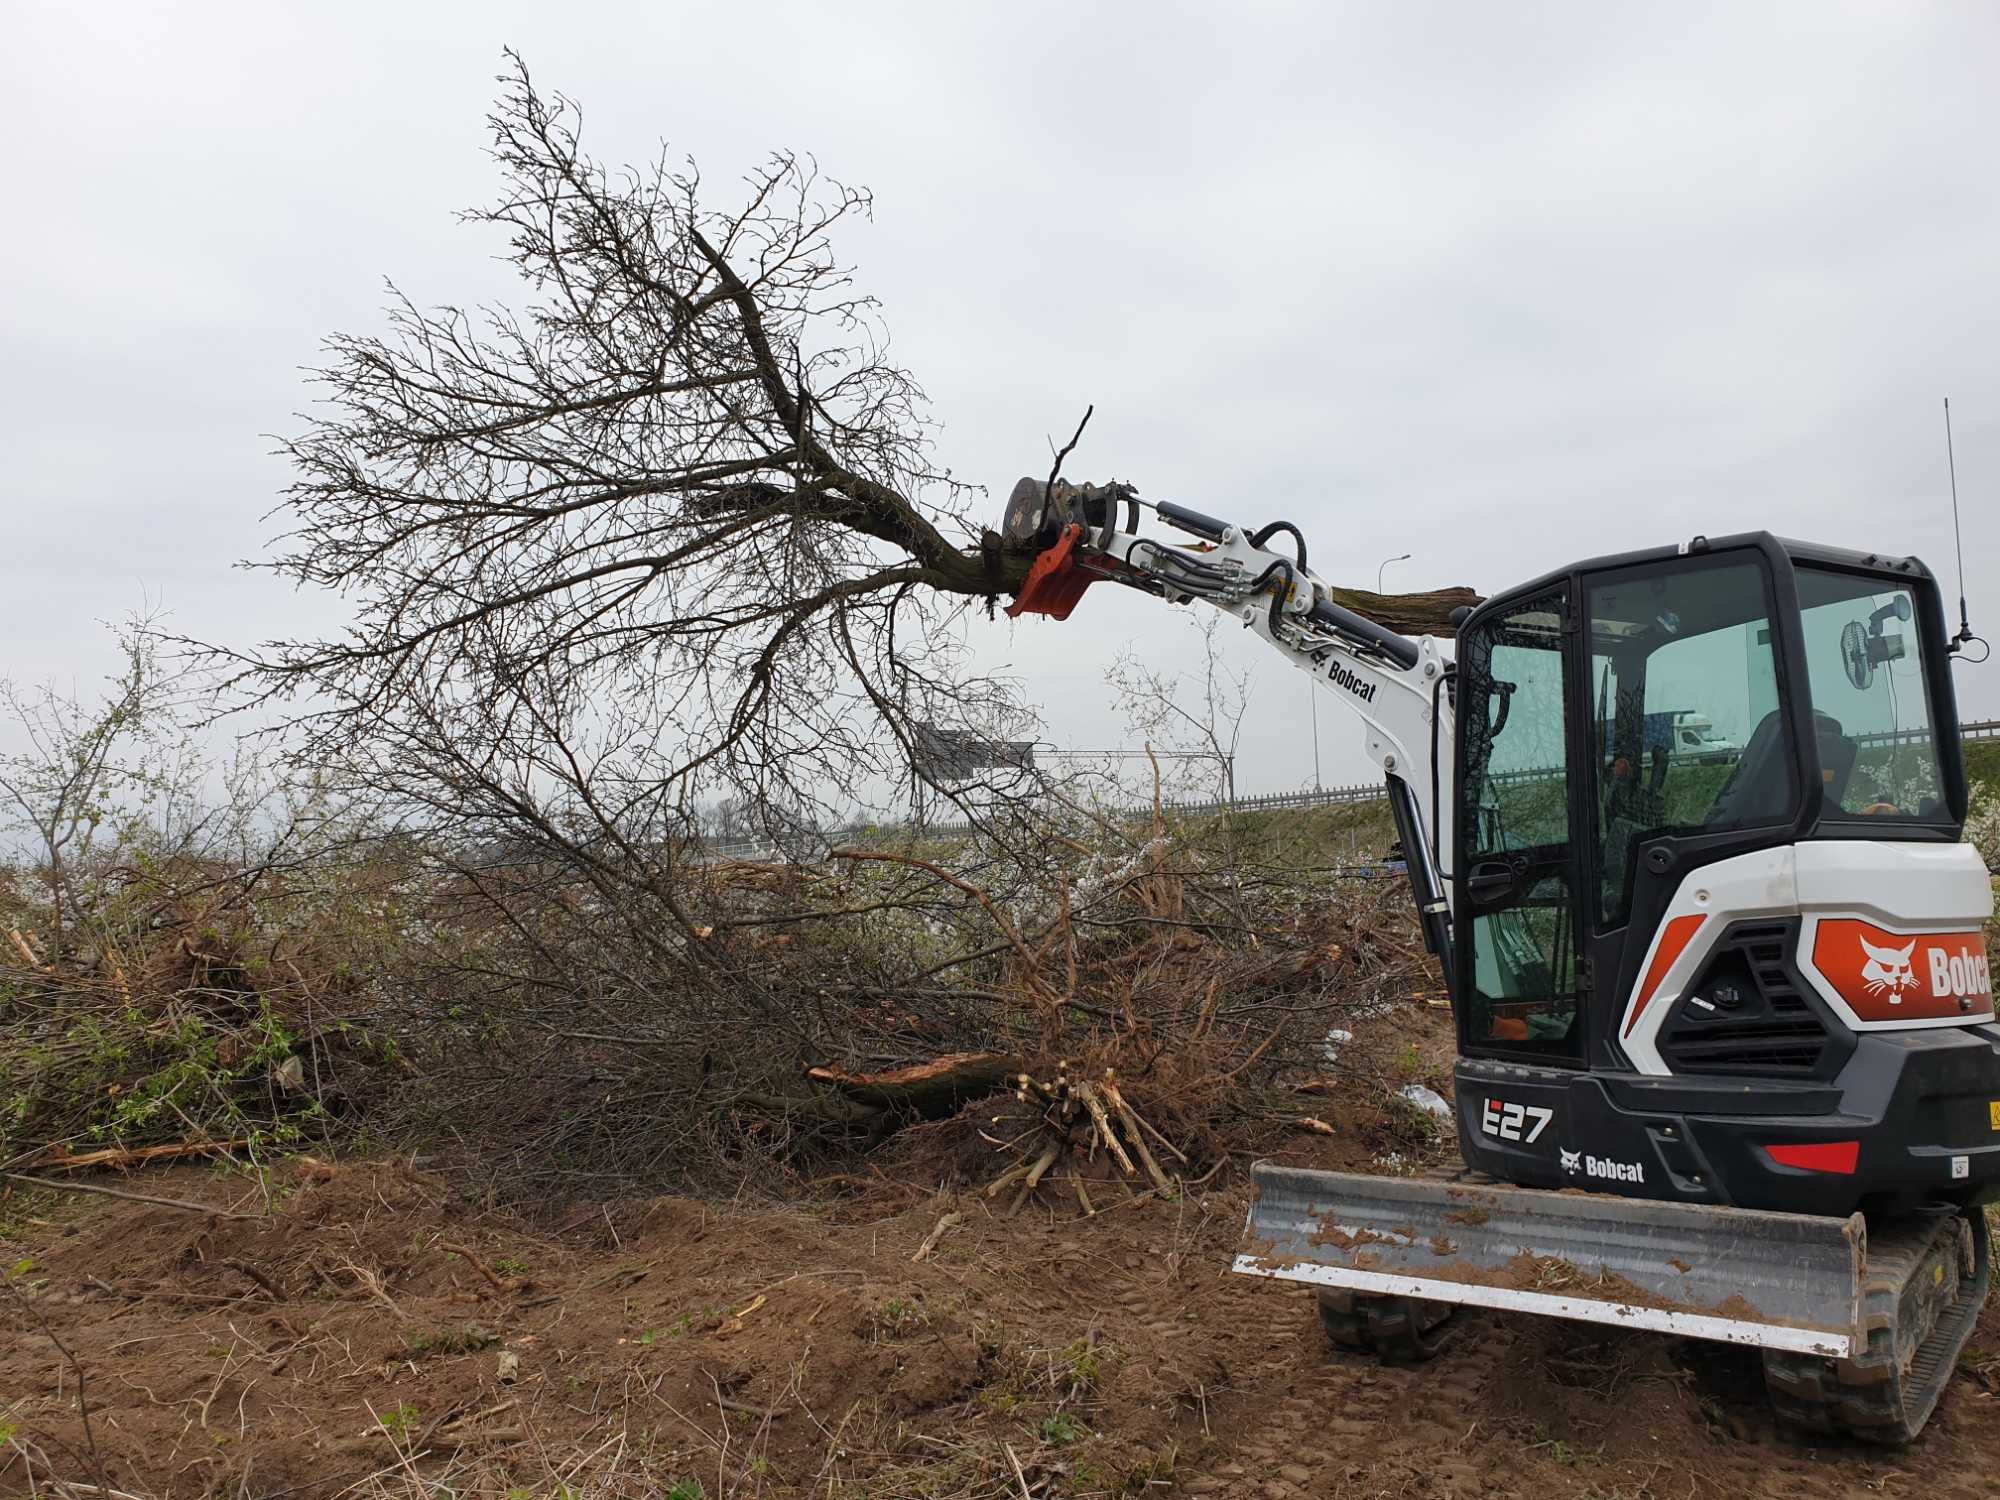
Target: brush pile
{"x": 1077, "y": 1122}
{"x": 1078, "y": 1008}
{"x": 188, "y": 1008}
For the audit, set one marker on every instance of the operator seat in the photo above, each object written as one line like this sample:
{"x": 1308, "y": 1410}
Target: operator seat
{"x": 1761, "y": 782}
{"x": 1632, "y": 810}
{"x": 1838, "y": 752}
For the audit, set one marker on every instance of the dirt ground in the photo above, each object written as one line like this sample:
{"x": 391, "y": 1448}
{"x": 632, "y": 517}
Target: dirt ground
{"x": 368, "y": 1331}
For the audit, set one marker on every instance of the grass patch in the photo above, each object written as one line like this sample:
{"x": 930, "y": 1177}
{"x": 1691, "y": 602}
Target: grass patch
{"x": 469, "y": 1338}
{"x": 1343, "y": 834}
{"x": 1982, "y": 760}
{"x": 401, "y": 1422}
{"x": 897, "y": 1319}
{"x": 23, "y": 1209}
{"x": 1062, "y": 1428}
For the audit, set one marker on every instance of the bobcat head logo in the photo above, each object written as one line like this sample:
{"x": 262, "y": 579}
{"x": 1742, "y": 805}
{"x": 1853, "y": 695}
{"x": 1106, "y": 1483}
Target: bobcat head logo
{"x": 1888, "y": 970}
{"x": 1572, "y": 1161}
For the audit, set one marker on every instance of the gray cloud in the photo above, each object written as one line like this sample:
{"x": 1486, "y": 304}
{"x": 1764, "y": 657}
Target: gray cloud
{"x": 1499, "y": 287}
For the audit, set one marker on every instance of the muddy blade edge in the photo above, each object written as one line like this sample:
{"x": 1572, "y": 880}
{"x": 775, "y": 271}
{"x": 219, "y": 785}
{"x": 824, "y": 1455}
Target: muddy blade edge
{"x": 1772, "y": 1281}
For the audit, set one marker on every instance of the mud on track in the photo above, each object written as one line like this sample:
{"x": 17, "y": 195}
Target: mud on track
{"x": 338, "y": 1345}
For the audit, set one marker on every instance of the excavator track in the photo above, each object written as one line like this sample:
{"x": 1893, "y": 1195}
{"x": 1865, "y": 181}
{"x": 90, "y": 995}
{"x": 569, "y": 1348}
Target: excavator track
{"x": 1396, "y": 1330}
{"x": 1924, "y": 1285}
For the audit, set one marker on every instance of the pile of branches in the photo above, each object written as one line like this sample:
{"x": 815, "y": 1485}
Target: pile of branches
{"x": 1076, "y": 1121}
{"x": 1096, "y": 1001}
{"x": 191, "y": 1007}
{"x": 1115, "y": 1011}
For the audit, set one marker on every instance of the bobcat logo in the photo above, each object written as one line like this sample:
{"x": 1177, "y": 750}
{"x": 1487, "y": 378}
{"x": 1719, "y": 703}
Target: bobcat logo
{"x": 1572, "y": 1160}
{"x": 1888, "y": 970}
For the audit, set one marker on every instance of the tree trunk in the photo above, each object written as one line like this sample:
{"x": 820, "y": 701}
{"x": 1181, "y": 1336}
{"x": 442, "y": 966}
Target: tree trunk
{"x": 932, "y": 1089}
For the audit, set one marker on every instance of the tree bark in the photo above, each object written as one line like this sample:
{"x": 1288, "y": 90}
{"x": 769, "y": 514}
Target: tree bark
{"x": 933, "y": 1088}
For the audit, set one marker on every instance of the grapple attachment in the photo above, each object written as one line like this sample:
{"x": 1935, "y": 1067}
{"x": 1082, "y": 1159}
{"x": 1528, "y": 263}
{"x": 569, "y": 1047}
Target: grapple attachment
{"x": 1058, "y": 520}
{"x": 1054, "y": 581}
{"x": 1774, "y": 1281}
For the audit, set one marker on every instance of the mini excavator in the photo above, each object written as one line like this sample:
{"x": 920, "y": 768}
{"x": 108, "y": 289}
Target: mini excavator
{"x": 1728, "y": 1066}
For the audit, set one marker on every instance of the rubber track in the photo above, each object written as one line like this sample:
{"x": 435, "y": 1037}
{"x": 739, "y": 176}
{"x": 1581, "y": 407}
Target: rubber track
{"x": 1396, "y": 1330}
{"x": 1887, "y": 1393}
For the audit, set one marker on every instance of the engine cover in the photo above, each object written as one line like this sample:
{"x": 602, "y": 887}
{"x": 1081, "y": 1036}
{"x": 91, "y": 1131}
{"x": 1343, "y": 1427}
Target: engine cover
{"x": 1890, "y": 936}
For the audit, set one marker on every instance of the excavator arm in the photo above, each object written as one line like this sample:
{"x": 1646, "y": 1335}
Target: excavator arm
{"x": 1398, "y": 686}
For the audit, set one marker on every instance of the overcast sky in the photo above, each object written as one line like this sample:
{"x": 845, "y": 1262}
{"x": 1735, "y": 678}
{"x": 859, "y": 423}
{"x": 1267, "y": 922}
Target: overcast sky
{"x": 1500, "y": 287}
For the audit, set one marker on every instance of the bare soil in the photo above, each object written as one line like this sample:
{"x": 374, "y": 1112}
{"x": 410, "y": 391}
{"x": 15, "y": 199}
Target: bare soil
{"x": 372, "y": 1332}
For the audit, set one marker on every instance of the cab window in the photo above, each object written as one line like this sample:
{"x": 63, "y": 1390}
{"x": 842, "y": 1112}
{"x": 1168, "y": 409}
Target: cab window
{"x": 1682, "y": 644}
{"x": 1519, "y": 944}
{"x": 1864, "y": 657}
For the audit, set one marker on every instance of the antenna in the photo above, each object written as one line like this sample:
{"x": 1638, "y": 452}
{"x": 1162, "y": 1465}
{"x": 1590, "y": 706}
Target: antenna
{"x": 1965, "y": 634}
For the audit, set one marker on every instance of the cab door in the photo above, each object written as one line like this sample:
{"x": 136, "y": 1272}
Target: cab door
{"x": 1515, "y": 896}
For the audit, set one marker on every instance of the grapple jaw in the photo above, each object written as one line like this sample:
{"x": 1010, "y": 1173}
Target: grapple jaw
{"x": 1054, "y": 581}
{"x": 1055, "y": 521}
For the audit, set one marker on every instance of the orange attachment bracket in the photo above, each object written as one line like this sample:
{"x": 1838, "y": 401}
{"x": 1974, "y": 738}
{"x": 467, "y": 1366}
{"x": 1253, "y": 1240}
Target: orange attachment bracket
{"x": 1054, "y": 582}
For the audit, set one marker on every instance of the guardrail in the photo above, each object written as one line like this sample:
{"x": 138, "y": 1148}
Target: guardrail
{"x": 1979, "y": 729}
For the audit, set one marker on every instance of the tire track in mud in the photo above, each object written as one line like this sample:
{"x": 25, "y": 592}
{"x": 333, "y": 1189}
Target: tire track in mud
{"x": 1484, "y": 1419}
{"x": 1308, "y": 1420}
{"x": 1212, "y": 1384}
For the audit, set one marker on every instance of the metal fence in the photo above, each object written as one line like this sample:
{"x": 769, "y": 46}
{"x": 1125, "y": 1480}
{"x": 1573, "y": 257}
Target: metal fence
{"x": 1980, "y": 729}
{"x": 1332, "y": 796}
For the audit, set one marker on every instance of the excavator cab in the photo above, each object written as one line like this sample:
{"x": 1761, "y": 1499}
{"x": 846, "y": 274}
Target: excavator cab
{"x": 1642, "y": 913}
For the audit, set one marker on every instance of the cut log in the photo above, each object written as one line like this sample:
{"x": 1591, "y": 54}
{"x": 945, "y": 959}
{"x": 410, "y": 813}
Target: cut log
{"x": 1007, "y": 1178}
{"x": 1427, "y": 613}
{"x": 1041, "y": 1165}
{"x": 1104, "y": 1130}
{"x": 1082, "y": 1196}
{"x": 945, "y": 1221}
{"x": 59, "y": 1158}
{"x": 1132, "y": 1122}
{"x": 933, "y": 1089}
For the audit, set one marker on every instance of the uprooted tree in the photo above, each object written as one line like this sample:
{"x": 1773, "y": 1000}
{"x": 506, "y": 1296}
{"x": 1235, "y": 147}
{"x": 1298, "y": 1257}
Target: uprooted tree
{"x": 670, "y": 532}
{"x": 680, "y": 508}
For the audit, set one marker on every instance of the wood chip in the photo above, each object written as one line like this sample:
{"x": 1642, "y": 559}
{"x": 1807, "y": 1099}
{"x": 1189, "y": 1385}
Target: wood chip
{"x": 735, "y": 1323}
{"x": 937, "y": 1233}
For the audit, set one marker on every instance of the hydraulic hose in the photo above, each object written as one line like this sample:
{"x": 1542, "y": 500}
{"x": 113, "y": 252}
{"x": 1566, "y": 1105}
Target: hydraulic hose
{"x": 1259, "y": 538}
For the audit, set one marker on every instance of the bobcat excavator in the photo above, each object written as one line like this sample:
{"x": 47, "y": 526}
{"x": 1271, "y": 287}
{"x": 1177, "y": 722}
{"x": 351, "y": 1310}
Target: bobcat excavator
{"x": 1727, "y": 1059}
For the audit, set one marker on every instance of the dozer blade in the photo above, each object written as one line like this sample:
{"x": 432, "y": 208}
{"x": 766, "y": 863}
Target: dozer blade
{"x": 1775, "y": 1281}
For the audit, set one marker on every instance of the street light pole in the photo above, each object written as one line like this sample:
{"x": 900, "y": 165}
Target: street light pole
{"x": 1385, "y": 563}
{"x": 1312, "y": 697}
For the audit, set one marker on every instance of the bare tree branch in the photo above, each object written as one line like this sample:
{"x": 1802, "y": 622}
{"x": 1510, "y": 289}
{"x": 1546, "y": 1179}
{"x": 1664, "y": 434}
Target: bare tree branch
{"x": 646, "y": 538}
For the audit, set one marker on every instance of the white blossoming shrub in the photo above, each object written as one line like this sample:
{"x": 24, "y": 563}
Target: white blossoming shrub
{"x": 1982, "y": 823}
